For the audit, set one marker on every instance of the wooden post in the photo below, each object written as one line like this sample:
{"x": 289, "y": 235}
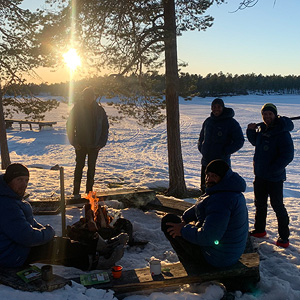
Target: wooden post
{"x": 63, "y": 202}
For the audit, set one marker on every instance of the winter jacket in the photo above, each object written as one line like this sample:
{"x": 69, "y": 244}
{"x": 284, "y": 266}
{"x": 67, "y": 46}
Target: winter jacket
{"x": 220, "y": 137}
{"x": 221, "y": 218}
{"x": 19, "y": 231}
{"x": 274, "y": 149}
{"x": 87, "y": 125}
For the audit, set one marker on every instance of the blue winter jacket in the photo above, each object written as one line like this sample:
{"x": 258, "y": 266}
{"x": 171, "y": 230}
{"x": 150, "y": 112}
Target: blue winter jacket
{"x": 19, "y": 231}
{"x": 88, "y": 126}
{"x": 274, "y": 149}
{"x": 221, "y": 217}
{"x": 220, "y": 137}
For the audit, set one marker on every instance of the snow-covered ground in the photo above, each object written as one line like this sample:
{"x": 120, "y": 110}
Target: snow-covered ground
{"x": 137, "y": 157}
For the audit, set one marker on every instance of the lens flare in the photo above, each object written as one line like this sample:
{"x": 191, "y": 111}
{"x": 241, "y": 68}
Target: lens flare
{"x": 72, "y": 59}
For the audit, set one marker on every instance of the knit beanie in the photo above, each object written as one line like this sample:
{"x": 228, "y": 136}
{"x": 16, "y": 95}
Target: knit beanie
{"x": 269, "y": 107}
{"x": 218, "y": 101}
{"x": 15, "y": 170}
{"x": 217, "y": 166}
{"x": 88, "y": 93}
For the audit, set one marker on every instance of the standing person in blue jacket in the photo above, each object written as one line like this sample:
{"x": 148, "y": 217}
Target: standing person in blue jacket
{"x": 24, "y": 241}
{"x": 220, "y": 136}
{"x": 274, "y": 150}
{"x": 215, "y": 230}
{"x": 87, "y": 129}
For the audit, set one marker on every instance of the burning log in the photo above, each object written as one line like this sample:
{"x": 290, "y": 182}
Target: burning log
{"x": 90, "y": 217}
{"x": 95, "y": 214}
{"x": 97, "y": 220}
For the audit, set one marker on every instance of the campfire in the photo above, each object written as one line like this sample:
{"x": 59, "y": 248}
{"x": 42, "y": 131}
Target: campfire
{"x": 96, "y": 215}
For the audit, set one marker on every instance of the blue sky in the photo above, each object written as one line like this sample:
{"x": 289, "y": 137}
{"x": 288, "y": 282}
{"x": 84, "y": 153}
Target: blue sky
{"x": 262, "y": 39}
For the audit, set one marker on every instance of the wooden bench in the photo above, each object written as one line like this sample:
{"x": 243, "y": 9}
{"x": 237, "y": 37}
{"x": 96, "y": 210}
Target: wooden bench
{"x": 243, "y": 276}
{"x": 41, "y": 124}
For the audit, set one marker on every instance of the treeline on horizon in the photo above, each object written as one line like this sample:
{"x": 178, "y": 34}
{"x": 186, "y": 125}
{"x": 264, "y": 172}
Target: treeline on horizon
{"x": 190, "y": 85}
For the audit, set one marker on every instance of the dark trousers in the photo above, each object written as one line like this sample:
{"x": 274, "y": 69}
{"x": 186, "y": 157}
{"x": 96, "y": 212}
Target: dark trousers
{"x": 202, "y": 186}
{"x": 63, "y": 251}
{"x": 188, "y": 253}
{"x": 263, "y": 189}
{"x": 92, "y": 154}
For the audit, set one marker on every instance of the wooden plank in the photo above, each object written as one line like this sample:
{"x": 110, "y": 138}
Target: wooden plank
{"x": 138, "y": 197}
{"x": 169, "y": 204}
{"x": 242, "y": 276}
{"x": 130, "y": 198}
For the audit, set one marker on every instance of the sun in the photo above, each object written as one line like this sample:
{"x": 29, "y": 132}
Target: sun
{"x": 72, "y": 59}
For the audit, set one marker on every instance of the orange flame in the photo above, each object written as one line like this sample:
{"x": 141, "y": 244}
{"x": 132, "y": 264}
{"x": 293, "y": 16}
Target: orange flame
{"x": 93, "y": 200}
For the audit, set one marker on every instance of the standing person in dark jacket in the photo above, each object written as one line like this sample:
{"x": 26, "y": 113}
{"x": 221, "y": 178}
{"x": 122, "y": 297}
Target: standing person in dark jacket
{"x": 214, "y": 231}
{"x": 87, "y": 129}
{"x": 220, "y": 136}
{"x": 274, "y": 150}
{"x": 24, "y": 241}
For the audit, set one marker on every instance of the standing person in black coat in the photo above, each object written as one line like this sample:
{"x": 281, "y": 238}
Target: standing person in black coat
{"x": 274, "y": 150}
{"x": 87, "y": 129}
{"x": 221, "y": 135}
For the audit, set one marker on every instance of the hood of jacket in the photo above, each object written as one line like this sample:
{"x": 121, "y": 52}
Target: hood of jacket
{"x": 227, "y": 113}
{"x": 231, "y": 182}
{"x": 281, "y": 124}
{"x": 6, "y": 191}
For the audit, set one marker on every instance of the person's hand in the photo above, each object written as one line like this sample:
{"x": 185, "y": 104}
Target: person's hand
{"x": 175, "y": 229}
{"x": 252, "y": 126}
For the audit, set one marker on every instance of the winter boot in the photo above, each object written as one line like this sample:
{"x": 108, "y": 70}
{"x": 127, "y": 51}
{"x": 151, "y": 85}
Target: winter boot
{"x": 284, "y": 243}
{"x": 106, "y": 247}
{"x": 106, "y": 263}
{"x": 257, "y": 234}
{"x": 121, "y": 239}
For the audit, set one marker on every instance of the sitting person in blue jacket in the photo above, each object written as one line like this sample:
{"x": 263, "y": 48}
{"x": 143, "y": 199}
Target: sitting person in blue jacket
{"x": 24, "y": 241}
{"x": 214, "y": 231}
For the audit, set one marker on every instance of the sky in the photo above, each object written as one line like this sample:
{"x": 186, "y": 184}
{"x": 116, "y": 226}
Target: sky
{"x": 262, "y": 39}
{"x": 136, "y": 157}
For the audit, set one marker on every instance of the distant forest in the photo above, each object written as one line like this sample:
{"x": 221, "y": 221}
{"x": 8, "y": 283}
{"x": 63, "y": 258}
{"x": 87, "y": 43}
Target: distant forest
{"x": 190, "y": 85}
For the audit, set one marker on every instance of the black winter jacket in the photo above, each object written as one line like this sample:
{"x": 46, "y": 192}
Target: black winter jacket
{"x": 220, "y": 137}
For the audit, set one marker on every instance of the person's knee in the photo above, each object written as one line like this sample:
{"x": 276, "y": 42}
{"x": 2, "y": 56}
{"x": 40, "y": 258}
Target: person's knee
{"x": 169, "y": 218}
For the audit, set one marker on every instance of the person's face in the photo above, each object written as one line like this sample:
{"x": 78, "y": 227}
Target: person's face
{"x": 211, "y": 179}
{"x": 217, "y": 109}
{"x": 268, "y": 117}
{"x": 19, "y": 185}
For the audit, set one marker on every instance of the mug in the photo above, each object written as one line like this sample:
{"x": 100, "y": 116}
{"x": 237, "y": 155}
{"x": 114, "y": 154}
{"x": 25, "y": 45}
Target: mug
{"x": 116, "y": 271}
{"x": 47, "y": 273}
{"x": 155, "y": 267}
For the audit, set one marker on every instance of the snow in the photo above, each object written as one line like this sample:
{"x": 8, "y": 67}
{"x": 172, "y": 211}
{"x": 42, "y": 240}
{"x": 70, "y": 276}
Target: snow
{"x": 137, "y": 157}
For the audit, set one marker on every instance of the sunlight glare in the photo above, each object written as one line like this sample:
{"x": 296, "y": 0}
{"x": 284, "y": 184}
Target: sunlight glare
{"x": 72, "y": 59}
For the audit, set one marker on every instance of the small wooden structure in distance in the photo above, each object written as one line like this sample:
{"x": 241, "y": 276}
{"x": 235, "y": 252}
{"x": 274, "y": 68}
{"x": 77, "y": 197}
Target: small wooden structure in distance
{"x": 41, "y": 124}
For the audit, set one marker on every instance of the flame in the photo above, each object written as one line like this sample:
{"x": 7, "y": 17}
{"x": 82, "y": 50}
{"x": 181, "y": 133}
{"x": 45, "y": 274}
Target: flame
{"x": 93, "y": 200}
{"x": 100, "y": 216}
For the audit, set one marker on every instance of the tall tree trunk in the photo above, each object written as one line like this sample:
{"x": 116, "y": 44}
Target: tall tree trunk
{"x": 5, "y": 160}
{"x": 177, "y": 185}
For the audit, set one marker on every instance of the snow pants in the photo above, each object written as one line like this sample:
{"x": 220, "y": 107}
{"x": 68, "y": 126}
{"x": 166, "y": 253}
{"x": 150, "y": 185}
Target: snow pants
{"x": 262, "y": 189}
